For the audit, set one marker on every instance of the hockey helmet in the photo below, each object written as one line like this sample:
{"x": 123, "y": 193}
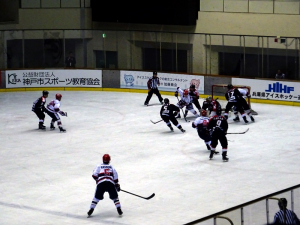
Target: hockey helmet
{"x": 229, "y": 86}
{"x": 219, "y": 111}
{"x": 192, "y": 86}
{"x": 185, "y": 92}
{"x": 166, "y": 101}
{"x": 45, "y": 93}
{"x": 58, "y": 96}
{"x": 209, "y": 99}
{"x": 203, "y": 113}
{"x": 154, "y": 72}
{"x": 106, "y": 158}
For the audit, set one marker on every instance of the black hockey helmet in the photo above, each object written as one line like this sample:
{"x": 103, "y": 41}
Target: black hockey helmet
{"x": 45, "y": 93}
{"x": 166, "y": 101}
{"x": 229, "y": 86}
{"x": 192, "y": 86}
{"x": 219, "y": 111}
{"x": 154, "y": 72}
{"x": 282, "y": 203}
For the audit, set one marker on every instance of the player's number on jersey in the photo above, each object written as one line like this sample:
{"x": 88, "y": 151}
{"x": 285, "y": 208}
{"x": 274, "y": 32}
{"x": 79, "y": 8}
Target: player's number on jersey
{"x": 106, "y": 171}
{"x": 218, "y": 123}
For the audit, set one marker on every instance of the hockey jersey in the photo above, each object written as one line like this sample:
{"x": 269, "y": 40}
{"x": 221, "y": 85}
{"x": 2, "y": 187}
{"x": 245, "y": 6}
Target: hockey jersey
{"x": 39, "y": 103}
{"x": 54, "y": 106}
{"x": 105, "y": 172}
{"x": 153, "y": 83}
{"x": 201, "y": 123}
{"x": 169, "y": 110}
{"x": 185, "y": 100}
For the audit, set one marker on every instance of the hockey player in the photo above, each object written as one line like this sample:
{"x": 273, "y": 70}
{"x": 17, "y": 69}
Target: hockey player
{"x": 106, "y": 178}
{"x": 232, "y": 96}
{"x": 168, "y": 112}
{"x": 153, "y": 84}
{"x": 186, "y": 101}
{"x": 218, "y": 126}
{"x": 243, "y": 103}
{"x": 53, "y": 109}
{"x": 39, "y": 108}
{"x": 201, "y": 124}
{"x": 195, "y": 97}
{"x": 211, "y": 105}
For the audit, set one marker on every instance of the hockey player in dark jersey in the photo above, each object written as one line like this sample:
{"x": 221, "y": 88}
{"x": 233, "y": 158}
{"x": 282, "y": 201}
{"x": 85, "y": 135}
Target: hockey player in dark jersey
{"x": 233, "y": 96}
{"x": 168, "y": 112}
{"x": 153, "y": 84}
{"x": 39, "y": 108}
{"x": 242, "y": 93}
{"x": 218, "y": 126}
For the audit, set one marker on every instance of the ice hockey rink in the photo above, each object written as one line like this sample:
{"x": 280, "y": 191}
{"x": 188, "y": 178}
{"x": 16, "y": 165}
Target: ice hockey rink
{"x": 46, "y": 175}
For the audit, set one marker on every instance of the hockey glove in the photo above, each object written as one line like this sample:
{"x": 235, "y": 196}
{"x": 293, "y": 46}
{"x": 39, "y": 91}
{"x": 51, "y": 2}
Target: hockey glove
{"x": 118, "y": 187}
{"x": 193, "y": 125}
{"x": 176, "y": 93}
{"x": 62, "y": 113}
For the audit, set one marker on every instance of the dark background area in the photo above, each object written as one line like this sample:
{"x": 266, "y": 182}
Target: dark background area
{"x": 180, "y": 12}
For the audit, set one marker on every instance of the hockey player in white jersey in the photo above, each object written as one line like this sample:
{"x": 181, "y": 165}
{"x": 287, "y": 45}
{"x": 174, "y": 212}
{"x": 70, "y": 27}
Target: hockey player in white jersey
{"x": 201, "y": 124}
{"x": 52, "y": 109}
{"x": 186, "y": 101}
{"x": 106, "y": 178}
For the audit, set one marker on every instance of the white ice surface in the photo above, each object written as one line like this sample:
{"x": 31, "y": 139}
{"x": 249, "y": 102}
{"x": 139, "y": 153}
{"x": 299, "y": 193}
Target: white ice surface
{"x": 46, "y": 175}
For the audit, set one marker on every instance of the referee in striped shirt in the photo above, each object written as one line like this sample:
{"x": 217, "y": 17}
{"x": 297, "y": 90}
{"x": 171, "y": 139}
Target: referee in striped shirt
{"x": 284, "y": 215}
{"x": 153, "y": 84}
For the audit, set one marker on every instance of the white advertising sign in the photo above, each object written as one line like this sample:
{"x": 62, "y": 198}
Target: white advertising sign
{"x": 271, "y": 89}
{"x": 53, "y": 78}
{"x": 168, "y": 81}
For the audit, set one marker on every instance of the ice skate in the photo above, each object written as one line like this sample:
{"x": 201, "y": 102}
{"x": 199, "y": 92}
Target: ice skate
{"x": 146, "y": 103}
{"x": 61, "y": 129}
{"x": 119, "y": 211}
{"x": 224, "y": 157}
{"x": 171, "y": 128}
{"x": 236, "y": 119}
{"x": 41, "y": 126}
{"x": 212, "y": 152}
{"x": 182, "y": 130}
{"x": 252, "y": 119}
{"x": 52, "y": 127}
{"x": 90, "y": 212}
{"x": 245, "y": 119}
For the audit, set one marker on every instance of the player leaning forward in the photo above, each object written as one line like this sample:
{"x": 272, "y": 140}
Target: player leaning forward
{"x": 53, "y": 109}
{"x": 106, "y": 178}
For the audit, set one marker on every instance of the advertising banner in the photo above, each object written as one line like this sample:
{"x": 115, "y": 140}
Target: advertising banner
{"x": 271, "y": 90}
{"x": 53, "y": 78}
{"x": 168, "y": 81}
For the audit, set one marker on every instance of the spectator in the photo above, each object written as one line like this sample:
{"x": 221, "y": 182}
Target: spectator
{"x": 280, "y": 75}
{"x": 284, "y": 215}
{"x": 70, "y": 61}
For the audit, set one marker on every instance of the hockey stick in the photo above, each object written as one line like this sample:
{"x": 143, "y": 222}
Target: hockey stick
{"x": 182, "y": 111}
{"x": 156, "y": 121}
{"x": 240, "y": 132}
{"x": 151, "y": 196}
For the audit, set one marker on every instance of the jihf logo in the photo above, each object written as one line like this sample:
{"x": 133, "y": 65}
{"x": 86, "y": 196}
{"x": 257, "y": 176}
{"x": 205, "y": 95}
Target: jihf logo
{"x": 279, "y": 88}
{"x": 129, "y": 79}
{"x": 12, "y": 79}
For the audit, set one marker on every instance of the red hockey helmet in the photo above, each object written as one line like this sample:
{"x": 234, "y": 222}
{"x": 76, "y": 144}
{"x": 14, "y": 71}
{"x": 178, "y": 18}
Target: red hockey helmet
{"x": 186, "y": 92}
{"x": 106, "y": 158}
{"x": 58, "y": 97}
{"x": 203, "y": 113}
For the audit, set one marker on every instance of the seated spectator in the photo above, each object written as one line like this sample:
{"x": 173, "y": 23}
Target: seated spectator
{"x": 280, "y": 75}
{"x": 284, "y": 215}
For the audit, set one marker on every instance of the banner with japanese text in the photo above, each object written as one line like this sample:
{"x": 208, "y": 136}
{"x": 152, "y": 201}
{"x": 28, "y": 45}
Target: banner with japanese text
{"x": 168, "y": 81}
{"x": 53, "y": 78}
{"x": 271, "y": 89}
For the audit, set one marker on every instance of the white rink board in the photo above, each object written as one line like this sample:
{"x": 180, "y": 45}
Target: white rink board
{"x": 53, "y": 78}
{"x": 271, "y": 89}
{"x": 168, "y": 81}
